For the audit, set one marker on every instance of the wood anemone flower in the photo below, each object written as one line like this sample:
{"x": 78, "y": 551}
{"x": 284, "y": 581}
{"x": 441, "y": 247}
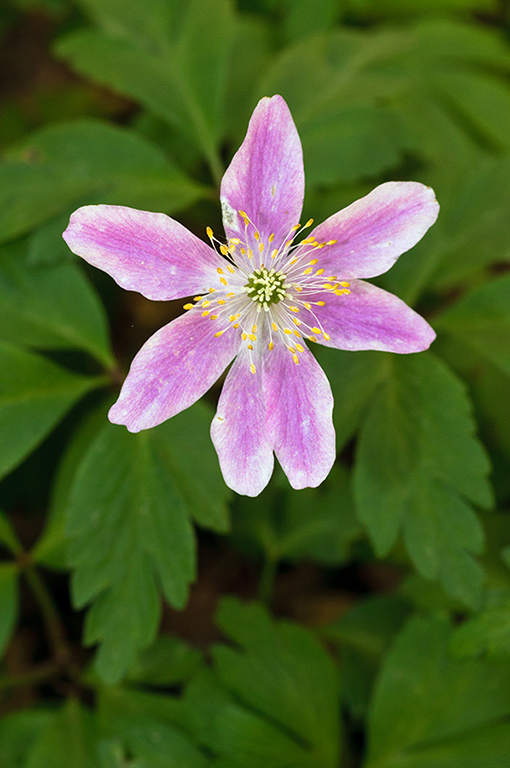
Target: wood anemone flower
{"x": 258, "y": 298}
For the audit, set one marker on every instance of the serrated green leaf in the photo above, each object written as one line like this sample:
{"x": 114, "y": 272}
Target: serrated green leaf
{"x": 481, "y": 320}
{"x": 8, "y": 602}
{"x": 170, "y": 661}
{"x": 487, "y": 632}
{"x": 63, "y": 166}
{"x": 50, "y": 306}
{"x": 51, "y": 750}
{"x": 418, "y": 466}
{"x": 433, "y": 711}
{"x": 129, "y": 521}
{"x": 18, "y": 732}
{"x": 362, "y": 635}
{"x": 175, "y": 64}
{"x": 283, "y": 674}
{"x": 34, "y": 395}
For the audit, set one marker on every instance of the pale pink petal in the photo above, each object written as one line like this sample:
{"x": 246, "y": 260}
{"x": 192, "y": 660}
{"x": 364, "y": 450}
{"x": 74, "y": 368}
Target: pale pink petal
{"x": 368, "y": 318}
{"x": 172, "y": 370}
{"x": 145, "y": 252}
{"x": 299, "y": 405}
{"x": 373, "y": 232}
{"x": 238, "y": 430}
{"x": 266, "y": 177}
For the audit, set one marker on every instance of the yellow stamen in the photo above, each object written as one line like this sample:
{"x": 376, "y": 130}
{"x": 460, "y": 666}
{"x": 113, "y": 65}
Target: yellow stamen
{"x": 275, "y": 327}
{"x": 244, "y": 336}
{"x": 300, "y": 348}
{"x": 209, "y": 233}
{"x": 231, "y": 269}
{"x": 308, "y": 271}
{"x": 270, "y": 345}
{"x": 270, "y": 238}
{"x": 321, "y": 303}
{"x": 254, "y": 329}
{"x": 317, "y": 330}
{"x": 188, "y": 306}
{"x": 205, "y": 303}
{"x": 314, "y": 261}
{"x": 312, "y": 338}
{"x": 223, "y": 281}
{"x": 214, "y": 317}
{"x": 320, "y": 272}
{"x": 221, "y": 301}
{"x": 295, "y": 358}
{"x": 252, "y": 337}
{"x": 207, "y": 312}
{"x": 287, "y": 331}
{"x": 219, "y": 333}
{"x": 252, "y": 368}
{"x": 326, "y": 336}
{"x": 219, "y": 270}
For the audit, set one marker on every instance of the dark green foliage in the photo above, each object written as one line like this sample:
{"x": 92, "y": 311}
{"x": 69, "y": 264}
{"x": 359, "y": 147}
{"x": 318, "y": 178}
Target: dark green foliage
{"x": 384, "y": 641}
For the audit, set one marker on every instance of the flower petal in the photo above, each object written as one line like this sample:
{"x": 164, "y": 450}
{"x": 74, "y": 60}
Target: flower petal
{"x": 266, "y": 177}
{"x": 175, "y": 367}
{"x": 238, "y": 430}
{"x": 299, "y": 404}
{"x": 373, "y": 232}
{"x": 368, "y": 318}
{"x": 145, "y": 252}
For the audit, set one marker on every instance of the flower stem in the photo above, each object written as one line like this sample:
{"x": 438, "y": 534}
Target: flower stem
{"x": 54, "y": 627}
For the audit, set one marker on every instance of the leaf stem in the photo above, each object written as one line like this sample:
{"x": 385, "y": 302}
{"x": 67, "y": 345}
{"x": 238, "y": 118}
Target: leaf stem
{"x": 267, "y": 580}
{"x": 54, "y": 627}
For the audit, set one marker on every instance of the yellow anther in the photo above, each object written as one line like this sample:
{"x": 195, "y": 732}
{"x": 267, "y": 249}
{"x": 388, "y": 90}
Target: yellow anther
{"x": 270, "y": 238}
{"x": 243, "y": 214}
{"x": 207, "y": 312}
{"x": 209, "y": 232}
{"x": 236, "y": 326}
{"x": 298, "y": 288}
{"x": 219, "y": 270}
{"x": 189, "y": 306}
{"x": 345, "y": 284}
{"x": 270, "y": 345}
{"x": 250, "y": 253}
{"x": 234, "y": 240}
{"x": 254, "y": 329}
{"x": 231, "y": 318}
{"x": 223, "y": 249}
{"x": 230, "y": 295}
{"x": 342, "y": 291}
{"x": 261, "y": 247}
{"x": 309, "y": 223}
{"x": 307, "y": 305}
{"x": 231, "y": 269}
{"x": 256, "y": 236}
{"x": 250, "y": 347}
{"x": 320, "y": 272}
{"x": 223, "y": 281}
{"x": 314, "y": 261}
{"x": 291, "y": 349}
{"x": 321, "y": 245}
{"x": 243, "y": 251}
{"x": 244, "y": 336}
{"x": 198, "y": 298}
{"x": 219, "y": 333}
{"x": 214, "y": 317}
{"x": 295, "y": 358}
{"x": 331, "y": 242}
{"x": 274, "y": 253}
{"x": 221, "y": 301}
{"x": 205, "y": 303}
{"x": 312, "y": 338}
{"x": 321, "y": 303}
{"x": 294, "y": 309}
{"x": 289, "y": 243}
{"x": 287, "y": 331}
{"x": 308, "y": 271}
{"x": 316, "y": 330}
{"x": 211, "y": 290}
{"x": 275, "y": 327}
{"x": 328, "y": 286}
{"x": 300, "y": 348}
{"x": 295, "y": 227}
{"x": 252, "y": 337}
{"x": 326, "y": 336}
{"x": 296, "y": 321}
{"x": 252, "y": 368}
{"x": 297, "y": 335}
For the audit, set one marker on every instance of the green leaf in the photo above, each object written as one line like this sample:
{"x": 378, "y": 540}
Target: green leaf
{"x": 50, "y": 306}
{"x": 481, "y": 320}
{"x": 169, "y": 57}
{"x": 354, "y": 379}
{"x": 51, "y": 750}
{"x": 63, "y": 166}
{"x": 362, "y": 635}
{"x": 488, "y": 632}
{"x": 8, "y": 534}
{"x": 8, "y": 602}
{"x": 433, "y": 711}
{"x": 168, "y": 662}
{"x": 18, "y": 732}
{"x": 287, "y": 692}
{"x": 34, "y": 395}
{"x": 418, "y": 466}
{"x": 129, "y": 521}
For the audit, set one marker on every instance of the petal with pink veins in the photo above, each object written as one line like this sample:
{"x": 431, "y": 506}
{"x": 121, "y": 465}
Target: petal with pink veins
{"x": 374, "y": 231}
{"x": 367, "y": 318}
{"x": 239, "y": 433}
{"x": 299, "y": 406}
{"x": 145, "y": 252}
{"x": 266, "y": 176}
{"x": 173, "y": 369}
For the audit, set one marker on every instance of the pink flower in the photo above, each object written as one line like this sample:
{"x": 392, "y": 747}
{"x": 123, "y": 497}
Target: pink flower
{"x": 260, "y": 297}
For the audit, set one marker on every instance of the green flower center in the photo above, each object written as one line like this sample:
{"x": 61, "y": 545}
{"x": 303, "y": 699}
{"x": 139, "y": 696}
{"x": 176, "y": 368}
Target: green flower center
{"x": 265, "y": 286}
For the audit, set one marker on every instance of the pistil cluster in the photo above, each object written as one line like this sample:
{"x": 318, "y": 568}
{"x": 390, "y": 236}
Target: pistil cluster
{"x": 277, "y": 284}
